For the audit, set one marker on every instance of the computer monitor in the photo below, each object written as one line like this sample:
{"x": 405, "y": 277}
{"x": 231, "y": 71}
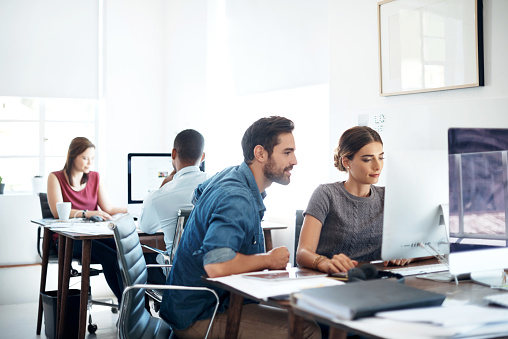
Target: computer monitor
{"x": 479, "y": 203}
{"x": 146, "y": 172}
{"x": 416, "y": 203}
{"x": 478, "y": 187}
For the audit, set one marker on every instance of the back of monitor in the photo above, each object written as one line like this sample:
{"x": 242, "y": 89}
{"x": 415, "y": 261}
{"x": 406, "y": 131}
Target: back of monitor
{"x": 416, "y": 201}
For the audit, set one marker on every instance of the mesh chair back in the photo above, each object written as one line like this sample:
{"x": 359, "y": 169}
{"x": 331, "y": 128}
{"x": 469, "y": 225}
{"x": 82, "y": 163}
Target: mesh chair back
{"x": 134, "y": 320}
{"x": 46, "y": 214}
{"x": 298, "y": 229}
{"x": 183, "y": 216}
{"x": 46, "y": 211}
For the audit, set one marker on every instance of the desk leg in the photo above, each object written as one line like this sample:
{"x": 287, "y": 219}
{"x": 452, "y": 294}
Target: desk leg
{"x": 336, "y": 333}
{"x": 234, "y": 315}
{"x": 268, "y": 240}
{"x": 85, "y": 285}
{"x": 44, "y": 273}
{"x": 64, "y": 285}
{"x": 61, "y": 255}
{"x": 295, "y": 325}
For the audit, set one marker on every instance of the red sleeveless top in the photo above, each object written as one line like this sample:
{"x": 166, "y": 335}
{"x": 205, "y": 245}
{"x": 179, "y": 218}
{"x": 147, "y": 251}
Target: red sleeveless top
{"x": 87, "y": 198}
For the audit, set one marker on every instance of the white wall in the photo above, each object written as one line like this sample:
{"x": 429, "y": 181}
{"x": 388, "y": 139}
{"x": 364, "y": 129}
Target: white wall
{"x": 414, "y": 121}
{"x": 133, "y": 106}
{"x": 19, "y": 236}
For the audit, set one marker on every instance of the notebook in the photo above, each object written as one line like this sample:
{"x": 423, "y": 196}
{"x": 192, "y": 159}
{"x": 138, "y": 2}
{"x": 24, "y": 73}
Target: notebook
{"x": 364, "y": 299}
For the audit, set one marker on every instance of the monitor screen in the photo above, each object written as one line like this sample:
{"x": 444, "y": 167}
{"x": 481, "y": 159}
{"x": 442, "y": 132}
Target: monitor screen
{"x": 146, "y": 172}
{"x": 416, "y": 203}
{"x": 478, "y": 187}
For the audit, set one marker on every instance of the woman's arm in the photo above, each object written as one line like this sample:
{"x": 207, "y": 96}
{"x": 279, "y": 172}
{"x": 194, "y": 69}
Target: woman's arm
{"x": 107, "y": 209}
{"x": 55, "y": 196}
{"x": 306, "y": 255}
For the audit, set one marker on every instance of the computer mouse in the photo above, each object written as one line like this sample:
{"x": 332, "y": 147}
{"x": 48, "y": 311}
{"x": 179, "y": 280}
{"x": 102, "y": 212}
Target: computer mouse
{"x": 96, "y": 218}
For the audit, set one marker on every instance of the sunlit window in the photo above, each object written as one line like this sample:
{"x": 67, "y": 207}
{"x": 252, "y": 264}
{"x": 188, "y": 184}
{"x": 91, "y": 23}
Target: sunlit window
{"x": 35, "y": 134}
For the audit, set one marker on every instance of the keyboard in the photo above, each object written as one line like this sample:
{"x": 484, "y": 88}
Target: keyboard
{"x": 498, "y": 299}
{"x": 415, "y": 270}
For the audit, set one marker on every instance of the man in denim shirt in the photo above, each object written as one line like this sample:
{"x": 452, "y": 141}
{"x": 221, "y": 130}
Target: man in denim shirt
{"x": 223, "y": 236}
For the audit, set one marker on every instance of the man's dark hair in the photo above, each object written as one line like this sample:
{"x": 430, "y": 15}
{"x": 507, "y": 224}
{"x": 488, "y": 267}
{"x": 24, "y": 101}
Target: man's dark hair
{"x": 189, "y": 145}
{"x": 264, "y": 132}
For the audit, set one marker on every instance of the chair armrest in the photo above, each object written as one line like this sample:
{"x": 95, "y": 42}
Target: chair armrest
{"x": 175, "y": 287}
{"x": 158, "y": 265}
{"x": 153, "y": 249}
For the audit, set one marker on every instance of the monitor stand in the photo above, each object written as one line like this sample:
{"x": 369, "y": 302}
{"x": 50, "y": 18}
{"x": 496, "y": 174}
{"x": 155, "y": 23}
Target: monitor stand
{"x": 135, "y": 210}
{"x": 493, "y": 278}
{"x": 486, "y": 266}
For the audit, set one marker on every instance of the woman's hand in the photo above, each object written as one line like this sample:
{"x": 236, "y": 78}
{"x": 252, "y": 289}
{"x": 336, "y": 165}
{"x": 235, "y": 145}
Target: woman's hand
{"x": 101, "y": 214}
{"x": 339, "y": 263}
{"x": 398, "y": 262}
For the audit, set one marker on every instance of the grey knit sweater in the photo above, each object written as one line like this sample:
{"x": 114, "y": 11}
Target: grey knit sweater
{"x": 351, "y": 225}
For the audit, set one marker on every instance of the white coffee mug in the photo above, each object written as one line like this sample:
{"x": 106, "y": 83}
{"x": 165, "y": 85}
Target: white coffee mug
{"x": 64, "y": 210}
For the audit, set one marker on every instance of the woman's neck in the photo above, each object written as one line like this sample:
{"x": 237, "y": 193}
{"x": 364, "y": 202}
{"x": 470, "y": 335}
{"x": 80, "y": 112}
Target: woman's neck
{"x": 76, "y": 179}
{"x": 357, "y": 189}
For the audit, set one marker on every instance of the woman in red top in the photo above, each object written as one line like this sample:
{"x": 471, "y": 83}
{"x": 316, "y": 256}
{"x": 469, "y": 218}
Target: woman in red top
{"x": 82, "y": 187}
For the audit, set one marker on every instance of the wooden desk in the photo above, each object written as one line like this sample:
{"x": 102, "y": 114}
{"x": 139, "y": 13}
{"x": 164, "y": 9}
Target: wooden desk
{"x": 65, "y": 248}
{"x": 267, "y": 232}
{"x": 465, "y": 291}
{"x": 237, "y": 296}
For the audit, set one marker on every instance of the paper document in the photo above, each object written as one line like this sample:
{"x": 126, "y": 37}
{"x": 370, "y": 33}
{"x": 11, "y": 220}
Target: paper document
{"x": 450, "y": 316}
{"x": 98, "y": 228}
{"x": 266, "y": 288}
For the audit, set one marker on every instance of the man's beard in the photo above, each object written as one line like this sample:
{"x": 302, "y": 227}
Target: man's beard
{"x": 271, "y": 173}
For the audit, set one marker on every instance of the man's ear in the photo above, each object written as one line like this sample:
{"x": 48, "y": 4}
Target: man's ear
{"x": 173, "y": 154}
{"x": 260, "y": 154}
{"x": 202, "y": 158}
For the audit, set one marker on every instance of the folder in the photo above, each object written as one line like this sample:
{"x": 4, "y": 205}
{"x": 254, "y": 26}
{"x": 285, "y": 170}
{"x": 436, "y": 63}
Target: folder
{"x": 364, "y": 299}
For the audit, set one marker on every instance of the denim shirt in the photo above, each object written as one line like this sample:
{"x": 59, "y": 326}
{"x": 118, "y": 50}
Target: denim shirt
{"x": 226, "y": 220}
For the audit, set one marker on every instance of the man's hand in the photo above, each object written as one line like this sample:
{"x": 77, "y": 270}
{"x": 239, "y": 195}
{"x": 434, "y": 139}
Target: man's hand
{"x": 168, "y": 178}
{"x": 278, "y": 258}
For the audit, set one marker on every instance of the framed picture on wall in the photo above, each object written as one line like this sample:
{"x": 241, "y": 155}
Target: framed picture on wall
{"x": 430, "y": 45}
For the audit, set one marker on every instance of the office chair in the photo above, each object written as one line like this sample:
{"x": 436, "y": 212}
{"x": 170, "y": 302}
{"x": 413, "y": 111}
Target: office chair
{"x": 298, "y": 229}
{"x": 53, "y": 258}
{"x": 183, "y": 216}
{"x": 134, "y": 320}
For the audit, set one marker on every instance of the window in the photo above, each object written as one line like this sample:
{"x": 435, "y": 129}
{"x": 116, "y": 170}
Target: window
{"x": 35, "y": 134}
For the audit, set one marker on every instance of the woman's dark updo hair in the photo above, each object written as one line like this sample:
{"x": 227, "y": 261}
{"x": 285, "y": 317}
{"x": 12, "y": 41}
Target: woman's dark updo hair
{"x": 351, "y": 142}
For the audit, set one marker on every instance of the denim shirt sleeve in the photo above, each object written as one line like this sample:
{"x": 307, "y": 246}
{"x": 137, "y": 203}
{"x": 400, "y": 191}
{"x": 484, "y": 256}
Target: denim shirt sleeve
{"x": 234, "y": 225}
{"x": 219, "y": 255}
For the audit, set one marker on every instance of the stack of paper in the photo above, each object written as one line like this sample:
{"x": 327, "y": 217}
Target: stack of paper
{"x": 97, "y": 228}
{"x": 266, "y": 288}
{"x": 454, "y": 321}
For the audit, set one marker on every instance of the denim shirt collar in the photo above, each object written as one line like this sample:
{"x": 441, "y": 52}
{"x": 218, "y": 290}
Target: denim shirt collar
{"x": 253, "y": 185}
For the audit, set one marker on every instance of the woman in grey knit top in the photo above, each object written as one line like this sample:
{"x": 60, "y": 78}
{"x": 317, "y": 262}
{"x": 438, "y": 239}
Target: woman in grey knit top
{"x": 343, "y": 222}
